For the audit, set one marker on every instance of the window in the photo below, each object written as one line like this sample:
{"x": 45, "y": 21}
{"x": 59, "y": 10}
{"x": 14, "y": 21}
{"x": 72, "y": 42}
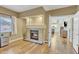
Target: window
{"x": 6, "y": 23}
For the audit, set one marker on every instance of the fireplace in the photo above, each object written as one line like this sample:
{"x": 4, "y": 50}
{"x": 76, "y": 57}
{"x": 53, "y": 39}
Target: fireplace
{"x": 34, "y": 34}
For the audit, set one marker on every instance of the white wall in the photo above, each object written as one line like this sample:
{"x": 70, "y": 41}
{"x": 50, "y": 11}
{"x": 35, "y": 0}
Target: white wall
{"x": 76, "y": 32}
{"x": 73, "y": 31}
{"x": 59, "y": 21}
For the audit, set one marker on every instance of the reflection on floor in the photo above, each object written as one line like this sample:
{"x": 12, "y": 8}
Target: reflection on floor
{"x": 21, "y": 47}
{"x": 60, "y": 46}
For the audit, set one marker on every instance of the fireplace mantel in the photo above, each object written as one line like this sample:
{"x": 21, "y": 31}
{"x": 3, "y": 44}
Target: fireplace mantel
{"x": 35, "y": 23}
{"x": 41, "y": 33}
{"x": 36, "y": 26}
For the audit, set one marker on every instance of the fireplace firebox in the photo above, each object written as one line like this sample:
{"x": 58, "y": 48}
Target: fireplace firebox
{"x": 34, "y": 34}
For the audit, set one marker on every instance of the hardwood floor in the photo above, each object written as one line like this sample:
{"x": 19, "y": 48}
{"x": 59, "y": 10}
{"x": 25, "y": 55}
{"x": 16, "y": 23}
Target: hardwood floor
{"x": 22, "y": 47}
{"x": 58, "y": 46}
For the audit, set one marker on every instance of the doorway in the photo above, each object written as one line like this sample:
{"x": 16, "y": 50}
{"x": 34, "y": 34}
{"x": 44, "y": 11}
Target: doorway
{"x": 61, "y": 28}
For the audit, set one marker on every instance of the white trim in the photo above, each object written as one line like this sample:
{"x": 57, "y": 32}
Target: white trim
{"x": 76, "y": 32}
{"x": 15, "y": 25}
{"x": 61, "y": 16}
{"x": 15, "y": 39}
{"x": 49, "y": 33}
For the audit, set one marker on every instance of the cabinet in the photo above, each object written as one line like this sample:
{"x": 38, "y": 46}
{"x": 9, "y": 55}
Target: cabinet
{"x": 4, "y": 40}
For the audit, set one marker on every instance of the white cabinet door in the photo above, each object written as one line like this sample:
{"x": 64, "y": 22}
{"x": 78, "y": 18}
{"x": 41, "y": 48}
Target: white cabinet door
{"x": 76, "y": 33}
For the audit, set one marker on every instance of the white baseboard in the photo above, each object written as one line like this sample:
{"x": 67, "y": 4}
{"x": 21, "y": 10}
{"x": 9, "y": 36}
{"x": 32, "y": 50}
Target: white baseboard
{"x": 20, "y": 38}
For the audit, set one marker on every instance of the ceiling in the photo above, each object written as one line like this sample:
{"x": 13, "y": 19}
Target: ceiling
{"x": 21, "y": 8}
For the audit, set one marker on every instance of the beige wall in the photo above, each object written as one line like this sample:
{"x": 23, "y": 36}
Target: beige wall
{"x": 38, "y": 11}
{"x": 63, "y": 11}
{"x": 32, "y": 12}
{"x": 23, "y": 26}
{"x": 19, "y": 26}
{"x": 7, "y": 12}
{"x": 78, "y": 8}
{"x": 19, "y": 22}
{"x": 18, "y": 35}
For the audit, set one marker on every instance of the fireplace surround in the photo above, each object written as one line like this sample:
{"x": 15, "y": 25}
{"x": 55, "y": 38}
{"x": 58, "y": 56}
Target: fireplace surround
{"x": 34, "y": 34}
{"x": 35, "y": 28}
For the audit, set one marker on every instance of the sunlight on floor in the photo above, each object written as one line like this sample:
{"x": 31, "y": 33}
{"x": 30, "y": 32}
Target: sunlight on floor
{"x": 60, "y": 45}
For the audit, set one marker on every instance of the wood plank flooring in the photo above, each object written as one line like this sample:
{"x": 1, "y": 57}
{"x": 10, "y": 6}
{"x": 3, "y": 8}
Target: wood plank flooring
{"x": 58, "y": 46}
{"x": 22, "y": 47}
